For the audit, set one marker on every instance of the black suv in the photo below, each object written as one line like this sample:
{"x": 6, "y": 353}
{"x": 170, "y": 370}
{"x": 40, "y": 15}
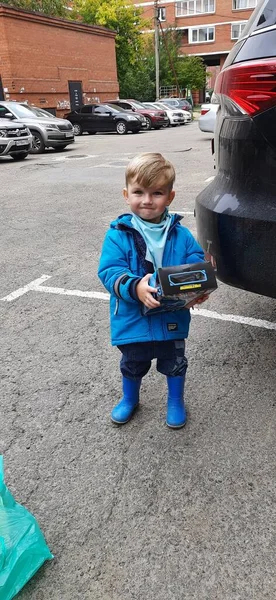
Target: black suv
{"x": 95, "y": 118}
{"x": 236, "y": 213}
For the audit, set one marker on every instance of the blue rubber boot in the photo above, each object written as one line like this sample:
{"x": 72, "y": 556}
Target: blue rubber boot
{"x": 176, "y": 413}
{"x": 123, "y": 411}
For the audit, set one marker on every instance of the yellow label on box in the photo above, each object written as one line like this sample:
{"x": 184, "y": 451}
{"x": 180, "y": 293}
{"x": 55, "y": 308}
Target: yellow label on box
{"x": 192, "y": 286}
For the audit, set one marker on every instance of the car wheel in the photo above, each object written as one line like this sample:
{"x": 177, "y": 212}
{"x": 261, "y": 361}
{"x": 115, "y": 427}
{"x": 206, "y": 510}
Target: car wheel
{"x": 77, "y": 129}
{"x": 149, "y": 123}
{"x": 38, "y": 145}
{"x": 19, "y": 155}
{"x": 121, "y": 128}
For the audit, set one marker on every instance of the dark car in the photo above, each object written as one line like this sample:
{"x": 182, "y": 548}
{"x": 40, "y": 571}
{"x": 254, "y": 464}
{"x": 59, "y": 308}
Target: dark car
{"x": 95, "y": 118}
{"x": 236, "y": 213}
{"x": 154, "y": 118}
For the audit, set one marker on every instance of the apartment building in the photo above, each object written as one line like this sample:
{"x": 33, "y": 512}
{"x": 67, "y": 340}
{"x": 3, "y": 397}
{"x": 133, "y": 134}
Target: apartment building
{"x": 209, "y": 27}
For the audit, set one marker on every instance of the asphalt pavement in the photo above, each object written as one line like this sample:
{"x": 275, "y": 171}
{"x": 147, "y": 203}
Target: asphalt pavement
{"x": 139, "y": 512}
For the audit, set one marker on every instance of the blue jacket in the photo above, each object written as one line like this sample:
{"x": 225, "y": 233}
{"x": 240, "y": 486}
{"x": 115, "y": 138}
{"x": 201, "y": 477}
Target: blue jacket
{"x": 123, "y": 264}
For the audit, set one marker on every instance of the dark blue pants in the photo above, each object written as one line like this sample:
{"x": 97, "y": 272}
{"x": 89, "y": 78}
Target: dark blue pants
{"x": 136, "y": 358}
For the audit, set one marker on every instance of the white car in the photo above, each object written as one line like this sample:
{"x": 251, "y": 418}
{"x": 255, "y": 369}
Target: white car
{"x": 185, "y": 113}
{"x": 207, "y": 119}
{"x": 175, "y": 117}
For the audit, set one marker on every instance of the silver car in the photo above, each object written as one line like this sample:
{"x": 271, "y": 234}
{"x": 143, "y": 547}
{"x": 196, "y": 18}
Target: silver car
{"x": 207, "y": 119}
{"x": 47, "y": 130}
{"x": 15, "y": 139}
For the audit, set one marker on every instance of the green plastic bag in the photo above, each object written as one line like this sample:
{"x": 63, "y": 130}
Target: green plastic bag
{"x": 22, "y": 546}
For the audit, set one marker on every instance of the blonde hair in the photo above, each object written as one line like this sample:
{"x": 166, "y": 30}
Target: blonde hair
{"x": 150, "y": 168}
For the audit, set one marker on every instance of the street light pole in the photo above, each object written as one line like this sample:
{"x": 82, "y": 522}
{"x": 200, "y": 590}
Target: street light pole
{"x": 156, "y": 39}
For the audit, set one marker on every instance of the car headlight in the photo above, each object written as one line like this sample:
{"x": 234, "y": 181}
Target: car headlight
{"x": 3, "y": 132}
{"x": 51, "y": 127}
{"x": 132, "y": 118}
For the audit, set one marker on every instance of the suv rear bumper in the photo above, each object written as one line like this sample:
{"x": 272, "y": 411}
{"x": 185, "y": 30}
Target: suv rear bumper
{"x": 240, "y": 238}
{"x": 14, "y": 145}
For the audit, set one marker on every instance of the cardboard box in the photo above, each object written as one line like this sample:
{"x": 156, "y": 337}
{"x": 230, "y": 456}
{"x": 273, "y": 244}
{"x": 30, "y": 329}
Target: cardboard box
{"x": 179, "y": 286}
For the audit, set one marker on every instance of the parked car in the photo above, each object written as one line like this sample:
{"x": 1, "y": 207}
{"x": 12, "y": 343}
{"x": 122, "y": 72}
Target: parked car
{"x": 207, "y": 119}
{"x": 185, "y": 113}
{"x": 47, "y": 130}
{"x": 15, "y": 139}
{"x": 236, "y": 213}
{"x": 155, "y": 119}
{"x": 177, "y": 103}
{"x": 175, "y": 118}
{"x": 95, "y": 118}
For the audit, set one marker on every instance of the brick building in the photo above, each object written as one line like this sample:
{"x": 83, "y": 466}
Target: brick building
{"x": 209, "y": 27}
{"x": 51, "y": 62}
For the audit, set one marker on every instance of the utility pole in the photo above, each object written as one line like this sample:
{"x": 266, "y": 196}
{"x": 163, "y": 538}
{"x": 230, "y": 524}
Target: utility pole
{"x": 156, "y": 38}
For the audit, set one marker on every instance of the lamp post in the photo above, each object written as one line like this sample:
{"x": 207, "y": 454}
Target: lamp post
{"x": 156, "y": 45}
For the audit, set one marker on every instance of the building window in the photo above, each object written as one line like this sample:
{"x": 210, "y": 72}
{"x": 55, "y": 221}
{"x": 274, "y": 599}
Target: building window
{"x": 237, "y": 29}
{"x": 239, "y": 4}
{"x": 194, "y": 7}
{"x": 161, "y": 13}
{"x": 201, "y": 35}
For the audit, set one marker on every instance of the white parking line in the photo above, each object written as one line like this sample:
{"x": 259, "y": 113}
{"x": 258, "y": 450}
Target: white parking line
{"x": 210, "y": 179}
{"x": 36, "y": 286}
{"x": 181, "y": 212}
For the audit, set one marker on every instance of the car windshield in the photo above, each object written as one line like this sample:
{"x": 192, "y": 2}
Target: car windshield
{"x": 39, "y": 112}
{"x": 112, "y": 107}
{"x": 137, "y": 104}
{"x": 25, "y": 111}
{"x": 163, "y": 105}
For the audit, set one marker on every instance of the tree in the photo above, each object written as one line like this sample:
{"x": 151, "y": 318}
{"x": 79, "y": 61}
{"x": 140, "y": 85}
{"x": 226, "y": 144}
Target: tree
{"x": 53, "y": 8}
{"x": 125, "y": 19}
{"x": 175, "y": 69}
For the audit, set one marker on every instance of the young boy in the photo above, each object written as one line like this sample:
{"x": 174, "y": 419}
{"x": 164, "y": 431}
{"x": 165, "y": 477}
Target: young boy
{"x": 135, "y": 246}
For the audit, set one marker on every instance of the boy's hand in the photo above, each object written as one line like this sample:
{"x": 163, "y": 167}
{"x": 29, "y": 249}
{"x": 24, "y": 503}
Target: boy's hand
{"x": 144, "y": 292}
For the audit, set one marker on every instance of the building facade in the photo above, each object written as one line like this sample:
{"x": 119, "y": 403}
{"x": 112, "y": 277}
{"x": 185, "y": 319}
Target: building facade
{"x": 55, "y": 63}
{"x": 209, "y": 27}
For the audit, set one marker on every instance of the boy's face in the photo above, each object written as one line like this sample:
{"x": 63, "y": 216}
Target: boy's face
{"x": 148, "y": 203}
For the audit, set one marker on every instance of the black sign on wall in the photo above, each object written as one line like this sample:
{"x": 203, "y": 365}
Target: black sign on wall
{"x": 75, "y": 91}
{"x": 2, "y": 97}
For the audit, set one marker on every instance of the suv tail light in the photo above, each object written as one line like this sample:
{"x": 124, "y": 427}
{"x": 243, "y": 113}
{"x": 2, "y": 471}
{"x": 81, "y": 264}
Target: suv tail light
{"x": 251, "y": 86}
{"x": 204, "y": 111}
